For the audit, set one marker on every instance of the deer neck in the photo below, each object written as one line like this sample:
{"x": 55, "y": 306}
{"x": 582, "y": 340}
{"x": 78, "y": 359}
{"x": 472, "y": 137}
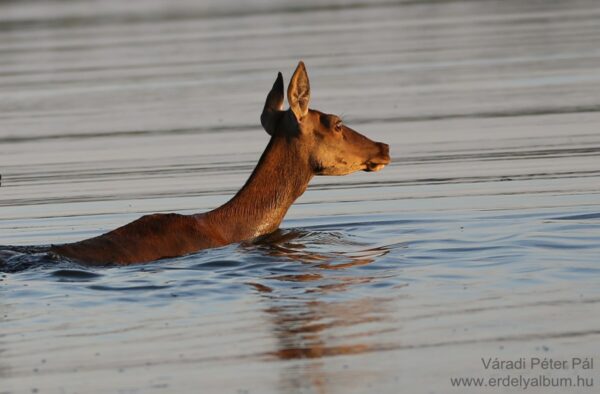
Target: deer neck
{"x": 280, "y": 177}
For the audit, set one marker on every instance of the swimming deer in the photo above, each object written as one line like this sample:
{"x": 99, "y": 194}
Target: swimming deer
{"x": 304, "y": 143}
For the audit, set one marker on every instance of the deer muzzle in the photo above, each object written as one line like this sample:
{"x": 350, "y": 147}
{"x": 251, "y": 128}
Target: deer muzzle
{"x": 380, "y": 160}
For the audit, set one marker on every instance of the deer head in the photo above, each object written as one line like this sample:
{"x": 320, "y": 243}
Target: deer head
{"x": 329, "y": 146}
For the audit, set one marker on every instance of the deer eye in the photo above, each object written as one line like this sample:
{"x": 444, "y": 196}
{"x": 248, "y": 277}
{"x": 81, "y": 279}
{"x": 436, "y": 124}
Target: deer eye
{"x": 338, "y": 126}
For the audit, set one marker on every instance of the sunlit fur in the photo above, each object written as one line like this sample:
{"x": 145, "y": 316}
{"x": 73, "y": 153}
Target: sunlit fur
{"x": 303, "y": 143}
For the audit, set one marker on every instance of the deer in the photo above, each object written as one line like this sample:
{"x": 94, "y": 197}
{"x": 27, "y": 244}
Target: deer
{"x": 303, "y": 143}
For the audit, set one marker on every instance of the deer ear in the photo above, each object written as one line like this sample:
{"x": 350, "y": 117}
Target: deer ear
{"x": 299, "y": 92}
{"x": 273, "y": 106}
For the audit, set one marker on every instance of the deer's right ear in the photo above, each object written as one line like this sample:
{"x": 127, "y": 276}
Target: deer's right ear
{"x": 273, "y": 106}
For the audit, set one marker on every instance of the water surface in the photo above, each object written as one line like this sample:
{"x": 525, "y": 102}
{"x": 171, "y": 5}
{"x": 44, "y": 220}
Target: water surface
{"x": 481, "y": 239}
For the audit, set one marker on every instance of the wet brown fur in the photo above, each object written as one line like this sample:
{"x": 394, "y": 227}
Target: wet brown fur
{"x": 304, "y": 143}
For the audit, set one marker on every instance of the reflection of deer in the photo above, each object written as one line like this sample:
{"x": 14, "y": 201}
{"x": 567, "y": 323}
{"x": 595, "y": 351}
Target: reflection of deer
{"x": 306, "y": 325}
{"x": 292, "y": 245}
{"x": 304, "y": 143}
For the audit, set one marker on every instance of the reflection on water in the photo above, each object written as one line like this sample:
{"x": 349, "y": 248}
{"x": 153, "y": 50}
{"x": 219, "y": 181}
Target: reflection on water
{"x": 480, "y": 239}
{"x": 303, "y": 331}
{"x": 300, "y": 319}
{"x": 301, "y": 322}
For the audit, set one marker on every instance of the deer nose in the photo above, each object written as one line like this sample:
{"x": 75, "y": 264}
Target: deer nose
{"x": 384, "y": 149}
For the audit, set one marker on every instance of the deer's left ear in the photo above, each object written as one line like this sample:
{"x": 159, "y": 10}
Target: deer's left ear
{"x": 273, "y": 106}
{"x": 299, "y": 92}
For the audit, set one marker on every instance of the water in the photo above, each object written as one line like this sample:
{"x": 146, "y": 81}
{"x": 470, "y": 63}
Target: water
{"x": 481, "y": 239}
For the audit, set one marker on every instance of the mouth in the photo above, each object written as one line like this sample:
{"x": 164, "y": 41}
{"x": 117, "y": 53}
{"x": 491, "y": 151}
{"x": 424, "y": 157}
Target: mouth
{"x": 376, "y": 165}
